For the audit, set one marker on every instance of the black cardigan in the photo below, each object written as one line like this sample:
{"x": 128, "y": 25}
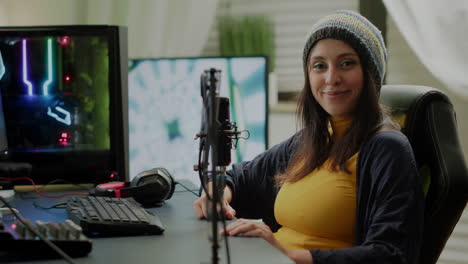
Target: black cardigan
{"x": 390, "y": 202}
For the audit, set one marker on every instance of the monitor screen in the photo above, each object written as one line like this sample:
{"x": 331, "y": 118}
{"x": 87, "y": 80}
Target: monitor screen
{"x": 165, "y": 110}
{"x": 62, "y": 103}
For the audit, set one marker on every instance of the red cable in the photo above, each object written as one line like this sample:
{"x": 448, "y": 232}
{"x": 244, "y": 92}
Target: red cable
{"x": 37, "y": 190}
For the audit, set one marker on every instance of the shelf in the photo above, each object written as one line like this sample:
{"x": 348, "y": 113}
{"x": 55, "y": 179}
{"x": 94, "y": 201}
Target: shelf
{"x": 283, "y": 107}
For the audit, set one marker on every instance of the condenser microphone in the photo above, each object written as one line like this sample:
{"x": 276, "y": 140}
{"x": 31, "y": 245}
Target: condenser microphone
{"x": 224, "y": 132}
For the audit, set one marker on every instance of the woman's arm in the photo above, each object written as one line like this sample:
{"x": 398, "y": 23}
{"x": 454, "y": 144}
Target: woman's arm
{"x": 253, "y": 182}
{"x": 250, "y": 186}
{"x": 200, "y": 205}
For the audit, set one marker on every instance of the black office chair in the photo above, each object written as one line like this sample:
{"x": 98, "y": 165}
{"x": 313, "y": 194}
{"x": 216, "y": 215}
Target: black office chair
{"x": 428, "y": 119}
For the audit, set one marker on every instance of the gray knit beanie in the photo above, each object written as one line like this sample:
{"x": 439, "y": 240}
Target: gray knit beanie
{"x": 359, "y": 33}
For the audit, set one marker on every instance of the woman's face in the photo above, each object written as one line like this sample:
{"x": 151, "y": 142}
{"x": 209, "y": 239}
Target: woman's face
{"x": 336, "y": 77}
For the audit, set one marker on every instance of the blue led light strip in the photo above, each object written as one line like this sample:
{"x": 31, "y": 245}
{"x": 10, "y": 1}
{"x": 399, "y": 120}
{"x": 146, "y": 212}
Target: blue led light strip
{"x": 45, "y": 86}
{"x": 25, "y": 69}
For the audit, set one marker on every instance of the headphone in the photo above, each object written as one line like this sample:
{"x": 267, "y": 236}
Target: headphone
{"x": 149, "y": 188}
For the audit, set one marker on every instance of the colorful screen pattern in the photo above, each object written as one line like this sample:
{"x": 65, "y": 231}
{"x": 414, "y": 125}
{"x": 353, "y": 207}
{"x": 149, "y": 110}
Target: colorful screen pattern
{"x": 165, "y": 110}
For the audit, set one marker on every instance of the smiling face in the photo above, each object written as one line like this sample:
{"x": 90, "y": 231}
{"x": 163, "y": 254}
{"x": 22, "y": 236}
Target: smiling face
{"x": 336, "y": 77}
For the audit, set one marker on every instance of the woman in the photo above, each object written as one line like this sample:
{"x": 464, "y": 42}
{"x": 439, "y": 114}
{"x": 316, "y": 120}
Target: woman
{"x": 345, "y": 189}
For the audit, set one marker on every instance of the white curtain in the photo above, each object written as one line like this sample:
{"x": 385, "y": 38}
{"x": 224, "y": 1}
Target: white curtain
{"x": 156, "y": 28}
{"x": 437, "y": 32}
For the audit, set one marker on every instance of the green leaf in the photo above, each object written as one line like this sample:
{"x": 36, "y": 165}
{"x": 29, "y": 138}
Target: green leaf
{"x": 247, "y": 36}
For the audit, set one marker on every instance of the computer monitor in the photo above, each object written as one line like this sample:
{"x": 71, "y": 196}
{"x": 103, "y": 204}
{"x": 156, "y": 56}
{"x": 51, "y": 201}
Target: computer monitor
{"x": 165, "y": 110}
{"x": 64, "y": 95}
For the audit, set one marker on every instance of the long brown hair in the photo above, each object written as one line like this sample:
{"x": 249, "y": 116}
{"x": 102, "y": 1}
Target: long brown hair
{"x": 317, "y": 144}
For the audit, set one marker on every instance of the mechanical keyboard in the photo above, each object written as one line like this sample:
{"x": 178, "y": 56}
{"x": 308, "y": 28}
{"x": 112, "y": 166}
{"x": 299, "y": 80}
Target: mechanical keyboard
{"x": 18, "y": 242}
{"x": 106, "y": 216}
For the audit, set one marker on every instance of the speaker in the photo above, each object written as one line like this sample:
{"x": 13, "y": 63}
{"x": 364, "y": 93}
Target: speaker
{"x": 149, "y": 188}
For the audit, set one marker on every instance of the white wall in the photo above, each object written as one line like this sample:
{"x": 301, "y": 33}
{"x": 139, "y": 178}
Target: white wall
{"x": 282, "y": 125}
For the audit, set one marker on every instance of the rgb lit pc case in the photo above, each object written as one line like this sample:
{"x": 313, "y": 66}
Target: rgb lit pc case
{"x": 64, "y": 95}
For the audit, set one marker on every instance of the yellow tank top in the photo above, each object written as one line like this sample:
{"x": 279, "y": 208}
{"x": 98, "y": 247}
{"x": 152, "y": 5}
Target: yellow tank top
{"x": 318, "y": 211}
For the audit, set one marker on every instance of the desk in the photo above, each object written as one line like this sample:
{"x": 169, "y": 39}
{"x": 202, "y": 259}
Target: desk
{"x": 184, "y": 241}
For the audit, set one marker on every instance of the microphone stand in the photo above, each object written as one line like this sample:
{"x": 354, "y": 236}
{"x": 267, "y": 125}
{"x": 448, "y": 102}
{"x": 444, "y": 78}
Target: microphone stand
{"x": 213, "y": 128}
{"x": 210, "y": 81}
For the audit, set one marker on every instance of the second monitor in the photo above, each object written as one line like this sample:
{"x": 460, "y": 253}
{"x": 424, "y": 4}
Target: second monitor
{"x": 165, "y": 110}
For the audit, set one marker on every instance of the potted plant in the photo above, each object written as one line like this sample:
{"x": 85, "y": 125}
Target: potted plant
{"x": 250, "y": 36}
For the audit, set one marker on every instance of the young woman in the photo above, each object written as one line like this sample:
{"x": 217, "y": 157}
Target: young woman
{"x": 344, "y": 189}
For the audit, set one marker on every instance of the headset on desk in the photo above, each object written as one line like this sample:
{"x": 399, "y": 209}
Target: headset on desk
{"x": 150, "y": 187}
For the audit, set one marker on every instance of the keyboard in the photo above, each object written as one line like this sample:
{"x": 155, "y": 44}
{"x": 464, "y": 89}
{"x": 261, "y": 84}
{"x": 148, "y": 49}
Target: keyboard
{"x": 19, "y": 243}
{"x": 106, "y": 217}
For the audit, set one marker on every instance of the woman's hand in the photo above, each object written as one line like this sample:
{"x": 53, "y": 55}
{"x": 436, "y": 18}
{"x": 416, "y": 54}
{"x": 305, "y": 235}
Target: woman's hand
{"x": 201, "y": 204}
{"x": 256, "y": 228}
{"x": 250, "y": 228}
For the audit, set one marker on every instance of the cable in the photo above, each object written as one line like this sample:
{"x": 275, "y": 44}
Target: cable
{"x": 226, "y": 243}
{"x": 37, "y": 190}
{"x": 66, "y": 182}
{"x": 56, "y": 206}
{"x": 203, "y": 154}
{"x": 34, "y": 231}
{"x": 186, "y": 188}
{"x": 201, "y": 168}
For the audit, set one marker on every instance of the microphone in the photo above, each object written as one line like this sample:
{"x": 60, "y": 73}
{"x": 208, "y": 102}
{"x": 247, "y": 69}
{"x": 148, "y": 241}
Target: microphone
{"x": 224, "y": 132}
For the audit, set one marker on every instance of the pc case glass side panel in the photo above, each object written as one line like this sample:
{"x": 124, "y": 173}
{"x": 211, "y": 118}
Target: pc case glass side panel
{"x": 56, "y": 94}
{"x": 69, "y": 126}
{"x": 3, "y": 136}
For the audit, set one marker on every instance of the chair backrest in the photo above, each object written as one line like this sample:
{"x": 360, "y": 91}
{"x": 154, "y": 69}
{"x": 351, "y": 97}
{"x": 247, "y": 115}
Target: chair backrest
{"x": 428, "y": 119}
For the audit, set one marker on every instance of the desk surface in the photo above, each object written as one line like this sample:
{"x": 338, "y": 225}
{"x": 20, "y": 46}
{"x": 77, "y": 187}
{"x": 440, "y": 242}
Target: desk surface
{"x": 186, "y": 239}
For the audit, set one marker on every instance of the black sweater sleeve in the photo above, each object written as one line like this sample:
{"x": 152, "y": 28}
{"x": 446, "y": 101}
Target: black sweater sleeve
{"x": 253, "y": 184}
{"x": 390, "y": 206}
